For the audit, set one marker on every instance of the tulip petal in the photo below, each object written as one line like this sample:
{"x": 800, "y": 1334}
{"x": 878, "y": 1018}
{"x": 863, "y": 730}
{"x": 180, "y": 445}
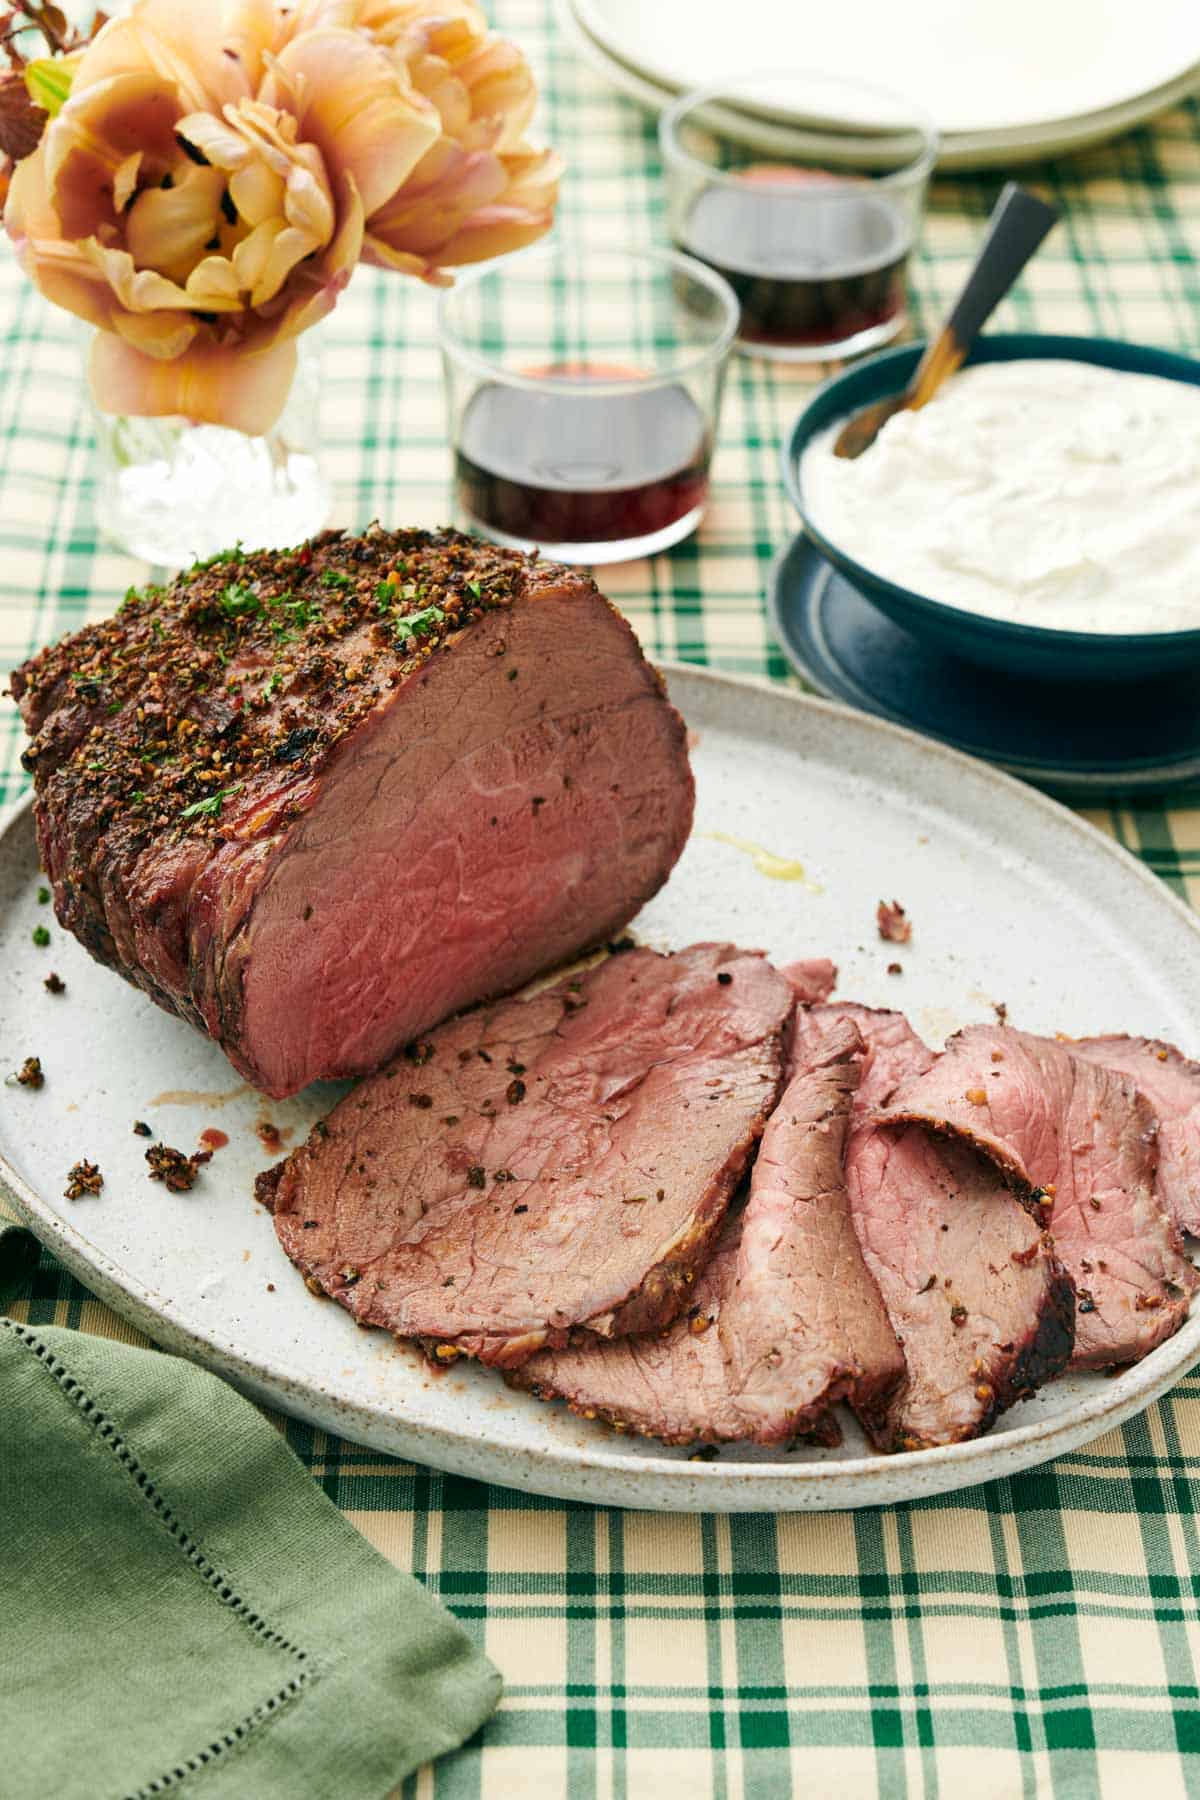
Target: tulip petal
{"x": 168, "y": 228}
{"x": 257, "y": 194}
{"x": 357, "y": 106}
{"x": 125, "y": 181}
{"x": 144, "y": 290}
{"x": 216, "y": 141}
{"x": 100, "y": 126}
{"x": 68, "y": 279}
{"x": 502, "y": 88}
{"x": 184, "y": 45}
{"x": 209, "y": 384}
{"x": 327, "y": 278}
{"x": 164, "y": 335}
{"x": 494, "y": 231}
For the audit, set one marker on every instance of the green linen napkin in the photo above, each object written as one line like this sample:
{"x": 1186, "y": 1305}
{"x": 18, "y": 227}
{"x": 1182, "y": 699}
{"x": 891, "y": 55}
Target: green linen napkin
{"x": 181, "y": 1609}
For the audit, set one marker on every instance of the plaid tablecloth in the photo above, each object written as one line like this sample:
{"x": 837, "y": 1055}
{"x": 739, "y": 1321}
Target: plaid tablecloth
{"x": 1034, "y": 1636}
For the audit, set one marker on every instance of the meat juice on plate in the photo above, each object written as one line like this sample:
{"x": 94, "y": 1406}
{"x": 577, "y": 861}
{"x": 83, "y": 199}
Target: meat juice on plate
{"x": 814, "y": 267}
{"x": 553, "y": 465}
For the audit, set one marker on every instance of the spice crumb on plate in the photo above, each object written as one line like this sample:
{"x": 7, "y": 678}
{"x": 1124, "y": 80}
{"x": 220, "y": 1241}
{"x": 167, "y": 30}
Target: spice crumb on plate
{"x": 177, "y": 1171}
{"x": 83, "y": 1177}
{"x": 54, "y": 983}
{"x": 895, "y": 926}
{"x": 30, "y": 1074}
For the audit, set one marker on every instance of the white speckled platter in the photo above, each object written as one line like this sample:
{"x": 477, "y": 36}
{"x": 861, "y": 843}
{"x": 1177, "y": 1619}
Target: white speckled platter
{"x": 1013, "y": 899}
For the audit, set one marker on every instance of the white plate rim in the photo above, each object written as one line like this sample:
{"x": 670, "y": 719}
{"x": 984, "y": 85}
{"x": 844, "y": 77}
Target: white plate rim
{"x": 1011, "y": 146}
{"x": 701, "y": 1486}
{"x": 592, "y": 19}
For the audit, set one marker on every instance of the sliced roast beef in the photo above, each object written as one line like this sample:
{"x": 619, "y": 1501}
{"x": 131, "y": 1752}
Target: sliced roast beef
{"x": 545, "y": 1165}
{"x": 671, "y": 1384}
{"x": 784, "y": 1318}
{"x": 972, "y": 1288}
{"x": 1171, "y": 1083}
{"x": 812, "y": 979}
{"x": 804, "y": 1322}
{"x": 1084, "y": 1137}
{"x": 317, "y": 800}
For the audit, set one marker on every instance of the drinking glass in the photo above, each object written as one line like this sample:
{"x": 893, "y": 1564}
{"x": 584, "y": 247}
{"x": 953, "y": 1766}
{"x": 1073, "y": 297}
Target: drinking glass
{"x": 806, "y": 193}
{"x": 583, "y": 389}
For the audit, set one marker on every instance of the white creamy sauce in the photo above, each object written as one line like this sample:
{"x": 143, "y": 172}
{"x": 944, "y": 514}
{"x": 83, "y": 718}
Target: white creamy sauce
{"x": 1047, "y": 493}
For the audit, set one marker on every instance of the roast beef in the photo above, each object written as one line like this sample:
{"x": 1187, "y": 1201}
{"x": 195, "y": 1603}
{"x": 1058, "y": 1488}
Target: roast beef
{"x": 317, "y": 800}
{"x": 804, "y": 1323}
{"x": 1085, "y": 1138}
{"x": 1171, "y": 1083}
{"x": 784, "y": 1318}
{"x": 547, "y": 1165}
{"x": 671, "y": 1384}
{"x": 812, "y": 979}
{"x": 972, "y": 1287}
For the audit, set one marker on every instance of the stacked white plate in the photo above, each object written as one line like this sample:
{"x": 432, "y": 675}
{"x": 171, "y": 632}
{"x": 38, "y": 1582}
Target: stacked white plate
{"x": 1004, "y": 84}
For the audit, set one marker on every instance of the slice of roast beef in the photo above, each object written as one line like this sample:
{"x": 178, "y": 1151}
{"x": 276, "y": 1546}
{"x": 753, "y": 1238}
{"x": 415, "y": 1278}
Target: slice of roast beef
{"x": 813, "y": 979}
{"x": 804, "y": 1323}
{"x": 1171, "y": 1083}
{"x": 546, "y": 1165}
{"x": 671, "y": 1384}
{"x": 785, "y": 1312}
{"x": 972, "y": 1288}
{"x": 317, "y": 800}
{"x": 1085, "y": 1137}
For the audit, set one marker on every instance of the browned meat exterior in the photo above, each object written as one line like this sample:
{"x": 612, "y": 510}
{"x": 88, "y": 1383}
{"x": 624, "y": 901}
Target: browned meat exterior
{"x": 317, "y": 800}
{"x": 1085, "y": 1137}
{"x": 672, "y": 1384}
{"x": 545, "y": 1165}
{"x": 972, "y": 1288}
{"x": 771, "y": 1338}
{"x": 1171, "y": 1083}
{"x": 805, "y": 1324}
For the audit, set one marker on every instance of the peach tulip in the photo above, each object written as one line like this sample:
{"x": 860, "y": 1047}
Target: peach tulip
{"x": 217, "y": 171}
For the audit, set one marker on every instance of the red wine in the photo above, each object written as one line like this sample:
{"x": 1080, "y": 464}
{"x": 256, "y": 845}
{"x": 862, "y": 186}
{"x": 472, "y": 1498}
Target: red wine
{"x": 550, "y": 466}
{"x": 812, "y": 268}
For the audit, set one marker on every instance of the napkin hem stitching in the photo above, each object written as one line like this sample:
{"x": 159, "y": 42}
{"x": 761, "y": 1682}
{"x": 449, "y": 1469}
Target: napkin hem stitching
{"x": 108, "y": 1434}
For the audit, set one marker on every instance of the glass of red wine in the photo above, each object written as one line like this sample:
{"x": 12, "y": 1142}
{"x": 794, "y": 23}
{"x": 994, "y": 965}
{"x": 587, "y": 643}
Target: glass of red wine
{"x": 806, "y": 193}
{"x": 583, "y": 387}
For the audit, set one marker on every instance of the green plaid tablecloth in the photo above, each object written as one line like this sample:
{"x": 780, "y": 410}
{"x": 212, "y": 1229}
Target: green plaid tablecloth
{"x": 1035, "y": 1636}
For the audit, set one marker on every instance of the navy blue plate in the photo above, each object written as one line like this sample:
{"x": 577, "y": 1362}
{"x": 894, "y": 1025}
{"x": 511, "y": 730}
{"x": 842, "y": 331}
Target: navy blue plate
{"x": 1022, "y": 649}
{"x": 1079, "y": 742}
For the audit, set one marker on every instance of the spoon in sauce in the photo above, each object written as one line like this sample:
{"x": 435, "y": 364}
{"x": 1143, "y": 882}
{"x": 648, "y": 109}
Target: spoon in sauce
{"x": 1017, "y": 226}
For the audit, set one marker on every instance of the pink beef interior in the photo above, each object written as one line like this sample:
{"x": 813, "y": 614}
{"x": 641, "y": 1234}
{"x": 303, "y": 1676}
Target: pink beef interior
{"x": 443, "y": 1202}
{"x": 514, "y": 804}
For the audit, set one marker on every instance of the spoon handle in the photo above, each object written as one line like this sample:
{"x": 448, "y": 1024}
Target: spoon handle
{"x": 1017, "y": 226}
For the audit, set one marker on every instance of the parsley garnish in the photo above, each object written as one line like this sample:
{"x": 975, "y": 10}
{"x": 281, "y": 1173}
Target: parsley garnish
{"x": 238, "y": 602}
{"x": 43, "y": 896}
{"x": 334, "y": 578}
{"x": 41, "y": 936}
{"x": 236, "y": 555}
{"x": 211, "y": 807}
{"x": 473, "y": 588}
{"x": 274, "y": 684}
{"x": 419, "y": 624}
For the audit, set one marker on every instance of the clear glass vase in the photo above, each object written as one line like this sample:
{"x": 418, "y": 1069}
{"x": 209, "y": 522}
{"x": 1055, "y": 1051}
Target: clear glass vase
{"x": 170, "y": 491}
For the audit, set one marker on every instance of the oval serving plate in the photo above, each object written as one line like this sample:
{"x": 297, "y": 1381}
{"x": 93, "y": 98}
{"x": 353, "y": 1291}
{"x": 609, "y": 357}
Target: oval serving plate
{"x": 1013, "y": 899}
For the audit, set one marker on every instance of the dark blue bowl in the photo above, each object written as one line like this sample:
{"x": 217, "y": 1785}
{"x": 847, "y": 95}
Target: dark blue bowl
{"x": 1022, "y": 649}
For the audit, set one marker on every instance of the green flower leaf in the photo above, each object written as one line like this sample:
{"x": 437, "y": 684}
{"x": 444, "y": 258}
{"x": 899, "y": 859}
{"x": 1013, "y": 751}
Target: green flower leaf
{"x": 48, "y": 79}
